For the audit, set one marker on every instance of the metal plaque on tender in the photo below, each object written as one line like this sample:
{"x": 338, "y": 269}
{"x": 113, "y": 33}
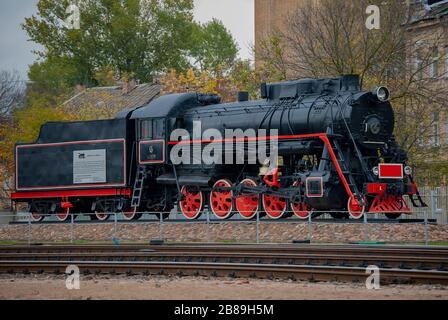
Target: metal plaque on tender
{"x": 89, "y": 166}
{"x": 152, "y": 152}
{"x": 391, "y": 171}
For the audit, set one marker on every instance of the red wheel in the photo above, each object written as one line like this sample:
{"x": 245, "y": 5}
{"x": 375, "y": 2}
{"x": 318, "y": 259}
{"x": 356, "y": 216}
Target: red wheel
{"x": 355, "y": 209}
{"x": 36, "y": 216}
{"x": 192, "y": 204}
{"x": 101, "y": 216}
{"x": 221, "y": 201}
{"x": 274, "y": 206}
{"x": 130, "y": 214}
{"x": 63, "y": 215}
{"x": 247, "y": 205}
{"x": 300, "y": 209}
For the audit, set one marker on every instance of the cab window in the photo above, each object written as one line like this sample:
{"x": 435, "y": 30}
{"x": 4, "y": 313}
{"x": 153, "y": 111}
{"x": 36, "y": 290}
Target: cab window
{"x": 159, "y": 128}
{"x": 146, "y": 129}
{"x": 152, "y": 129}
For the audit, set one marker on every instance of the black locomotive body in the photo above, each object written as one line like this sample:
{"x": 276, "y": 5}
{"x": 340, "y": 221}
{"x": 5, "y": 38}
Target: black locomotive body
{"x": 334, "y": 146}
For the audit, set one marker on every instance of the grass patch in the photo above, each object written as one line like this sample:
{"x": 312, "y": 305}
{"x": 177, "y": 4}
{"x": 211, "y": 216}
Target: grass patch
{"x": 10, "y": 242}
{"x": 442, "y": 243}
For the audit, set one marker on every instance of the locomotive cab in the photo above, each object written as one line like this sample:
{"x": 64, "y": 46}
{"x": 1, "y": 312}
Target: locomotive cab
{"x": 151, "y": 141}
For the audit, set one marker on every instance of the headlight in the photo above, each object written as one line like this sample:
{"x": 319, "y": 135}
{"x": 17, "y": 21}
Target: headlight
{"x": 408, "y": 170}
{"x": 382, "y": 94}
{"x": 376, "y": 171}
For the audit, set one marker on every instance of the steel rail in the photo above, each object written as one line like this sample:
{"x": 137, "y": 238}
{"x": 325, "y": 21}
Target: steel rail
{"x": 397, "y": 251}
{"x": 385, "y": 261}
{"x": 269, "y": 271}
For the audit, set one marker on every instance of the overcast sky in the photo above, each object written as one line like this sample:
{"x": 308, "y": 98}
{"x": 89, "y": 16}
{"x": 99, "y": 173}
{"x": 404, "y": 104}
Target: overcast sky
{"x": 15, "y": 50}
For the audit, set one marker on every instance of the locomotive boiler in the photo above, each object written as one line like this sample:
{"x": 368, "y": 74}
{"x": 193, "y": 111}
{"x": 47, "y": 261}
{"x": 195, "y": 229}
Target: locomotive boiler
{"x": 334, "y": 153}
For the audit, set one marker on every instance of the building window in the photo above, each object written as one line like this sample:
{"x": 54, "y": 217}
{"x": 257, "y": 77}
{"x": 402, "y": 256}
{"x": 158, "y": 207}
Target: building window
{"x": 435, "y": 64}
{"x": 420, "y": 141}
{"x": 419, "y": 68}
{"x": 435, "y": 133}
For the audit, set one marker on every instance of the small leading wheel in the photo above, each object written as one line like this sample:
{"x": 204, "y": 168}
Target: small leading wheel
{"x": 131, "y": 214}
{"x": 355, "y": 209}
{"x": 247, "y": 204}
{"x": 100, "y": 215}
{"x": 275, "y": 207}
{"x": 301, "y": 210}
{"x": 192, "y": 202}
{"x": 36, "y": 216}
{"x": 221, "y": 200}
{"x": 63, "y": 215}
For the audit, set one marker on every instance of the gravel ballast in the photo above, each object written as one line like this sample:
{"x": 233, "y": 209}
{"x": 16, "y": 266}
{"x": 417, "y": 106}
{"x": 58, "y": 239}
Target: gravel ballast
{"x": 227, "y": 232}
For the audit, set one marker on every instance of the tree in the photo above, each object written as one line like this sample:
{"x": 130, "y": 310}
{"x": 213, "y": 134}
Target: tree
{"x": 11, "y": 92}
{"x": 135, "y": 37}
{"x": 242, "y": 77}
{"x": 142, "y": 38}
{"x": 11, "y": 98}
{"x": 52, "y": 79}
{"x": 213, "y": 46}
{"x": 330, "y": 39}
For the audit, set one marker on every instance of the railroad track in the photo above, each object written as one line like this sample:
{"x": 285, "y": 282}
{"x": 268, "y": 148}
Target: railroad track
{"x": 384, "y": 261}
{"x": 415, "y": 251}
{"x": 318, "y": 263}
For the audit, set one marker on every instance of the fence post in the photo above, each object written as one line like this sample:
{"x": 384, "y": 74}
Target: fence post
{"x": 433, "y": 204}
{"x": 161, "y": 225}
{"x": 426, "y": 229}
{"x": 115, "y": 225}
{"x": 310, "y": 217}
{"x": 71, "y": 227}
{"x": 208, "y": 226}
{"x": 258, "y": 227}
{"x": 29, "y": 228}
{"x": 366, "y": 225}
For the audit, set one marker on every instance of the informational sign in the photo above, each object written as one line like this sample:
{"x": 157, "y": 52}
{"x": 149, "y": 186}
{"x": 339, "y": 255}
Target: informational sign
{"x": 89, "y": 166}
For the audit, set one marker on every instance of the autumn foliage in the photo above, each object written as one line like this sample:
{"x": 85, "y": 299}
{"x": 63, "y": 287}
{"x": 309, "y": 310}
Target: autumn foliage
{"x": 227, "y": 85}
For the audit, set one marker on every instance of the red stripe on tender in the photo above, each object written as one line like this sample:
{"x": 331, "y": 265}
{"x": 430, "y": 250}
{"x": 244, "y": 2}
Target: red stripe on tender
{"x": 71, "y": 193}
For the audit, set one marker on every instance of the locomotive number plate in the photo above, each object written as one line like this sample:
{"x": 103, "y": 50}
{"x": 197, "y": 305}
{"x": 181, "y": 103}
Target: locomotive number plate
{"x": 151, "y": 152}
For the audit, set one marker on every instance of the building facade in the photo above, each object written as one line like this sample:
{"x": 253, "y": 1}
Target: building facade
{"x": 427, "y": 34}
{"x": 428, "y": 29}
{"x": 270, "y": 16}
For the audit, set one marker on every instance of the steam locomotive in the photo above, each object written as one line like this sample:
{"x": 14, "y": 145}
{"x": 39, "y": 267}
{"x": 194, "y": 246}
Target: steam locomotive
{"x": 334, "y": 145}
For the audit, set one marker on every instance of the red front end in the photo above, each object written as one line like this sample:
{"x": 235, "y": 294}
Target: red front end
{"x": 387, "y": 193}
